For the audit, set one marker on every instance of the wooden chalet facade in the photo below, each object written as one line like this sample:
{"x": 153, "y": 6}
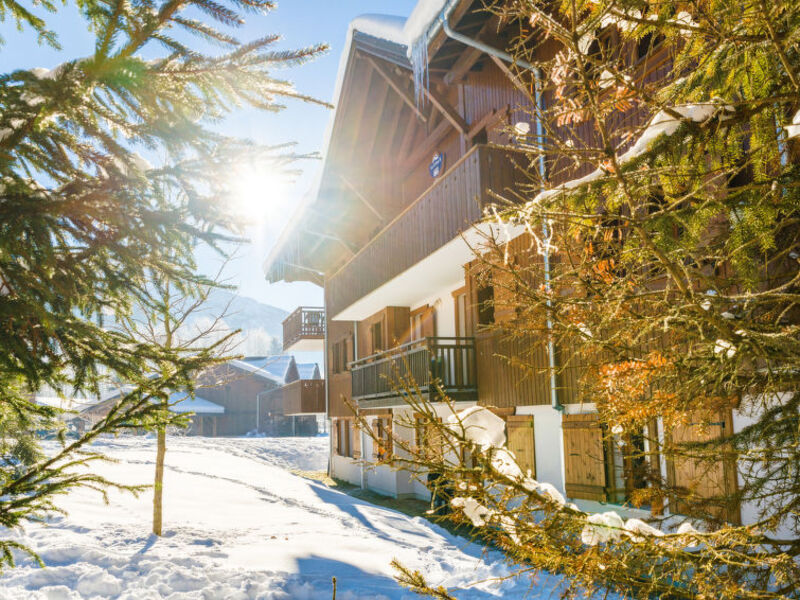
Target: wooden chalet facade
{"x": 265, "y": 394}
{"x": 389, "y": 233}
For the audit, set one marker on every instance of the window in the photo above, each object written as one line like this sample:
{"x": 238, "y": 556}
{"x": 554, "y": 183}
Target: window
{"x": 646, "y": 44}
{"x": 344, "y": 431}
{"x": 376, "y": 333}
{"x": 486, "y": 305}
{"x": 340, "y": 357}
{"x": 336, "y": 358}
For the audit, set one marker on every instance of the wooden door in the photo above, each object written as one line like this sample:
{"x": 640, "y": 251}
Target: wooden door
{"x": 584, "y": 457}
{"x": 521, "y": 441}
{"x": 708, "y": 485}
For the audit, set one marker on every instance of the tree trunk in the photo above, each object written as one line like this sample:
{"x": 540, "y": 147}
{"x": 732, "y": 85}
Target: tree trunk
{"x": 158, "y": 485}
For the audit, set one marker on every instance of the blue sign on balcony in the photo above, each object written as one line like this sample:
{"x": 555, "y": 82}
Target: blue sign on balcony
{"x": 437, "y": 164}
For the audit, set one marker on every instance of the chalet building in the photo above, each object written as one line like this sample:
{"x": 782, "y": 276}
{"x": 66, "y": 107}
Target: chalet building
{"x": 267, "y": 394}
{"x": 257, "y": 391}
{"x": 203, "y": 421}
{"x": 388, "y": 233}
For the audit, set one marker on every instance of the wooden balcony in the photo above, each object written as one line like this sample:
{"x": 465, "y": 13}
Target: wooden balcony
{"x": 304, "y": 397}
{"x": 431, "y": 363}
{"x": 453, "y": 203}
{"x": 304, "y": 330}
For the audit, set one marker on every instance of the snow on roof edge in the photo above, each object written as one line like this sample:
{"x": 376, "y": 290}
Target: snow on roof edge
{"x": 395, "y": 29}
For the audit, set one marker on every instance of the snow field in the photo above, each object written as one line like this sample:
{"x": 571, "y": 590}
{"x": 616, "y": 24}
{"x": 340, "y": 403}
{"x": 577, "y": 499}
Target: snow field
{"x": 239, "y": 525}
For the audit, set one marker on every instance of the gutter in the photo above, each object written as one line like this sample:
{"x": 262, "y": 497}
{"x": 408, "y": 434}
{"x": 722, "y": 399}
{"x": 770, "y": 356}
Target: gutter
{"x": 539, "y": 98}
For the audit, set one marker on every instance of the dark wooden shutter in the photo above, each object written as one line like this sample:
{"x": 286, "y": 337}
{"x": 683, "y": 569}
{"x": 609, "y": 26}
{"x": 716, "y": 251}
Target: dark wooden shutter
{"x": 356, "y": 439}
{"x": 704, "y": 480}
{"x": 521, "y": 441}
{"x": 584, "y": 457}
{"x": 335, "y": 435}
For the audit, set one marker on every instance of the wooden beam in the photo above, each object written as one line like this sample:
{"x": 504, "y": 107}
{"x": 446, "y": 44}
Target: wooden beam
{"x": 394, "y": 127}
{"x": 398, "y": 87}
{"x": 458, "y": 13}
{"x": 408, "y": 138}
{"x": 471, "y": 55}
{"x": 326, "y": 236}
{"x": 369, "y": 124}
{"x": 427, "y": 145}
{"x": 449, "y": 113}
{"x": 487, "y": 121}
{"x": 358, "y": 194}
{"x": 359, "y": 108}
{"x": 386, "y": 109}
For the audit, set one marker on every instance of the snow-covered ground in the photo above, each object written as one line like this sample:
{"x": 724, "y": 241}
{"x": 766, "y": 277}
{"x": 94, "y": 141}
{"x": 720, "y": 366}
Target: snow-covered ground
{"x": 239, "y": 524}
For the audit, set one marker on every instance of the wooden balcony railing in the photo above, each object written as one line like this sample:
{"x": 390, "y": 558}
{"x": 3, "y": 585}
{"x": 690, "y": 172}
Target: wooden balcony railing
{"x": 430, "y": 363}
{"x": 304, "y": 397}
{"x": 453, "y": 203}
{"x": 303, "y": 324}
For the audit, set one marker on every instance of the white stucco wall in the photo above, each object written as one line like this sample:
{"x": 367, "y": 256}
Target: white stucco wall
{"x": 548, "y": 443}
{"x": 345, "y": 468}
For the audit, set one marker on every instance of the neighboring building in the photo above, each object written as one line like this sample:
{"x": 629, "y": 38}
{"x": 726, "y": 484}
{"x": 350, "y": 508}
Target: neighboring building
{"x": 202, "y": 422}
{"x": 383, "y": 235}
{"x": 240, "y": 385}
{"x": 228, "y": 398}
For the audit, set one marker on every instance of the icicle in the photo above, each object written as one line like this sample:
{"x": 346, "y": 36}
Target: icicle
{"x": 419, "y": 66}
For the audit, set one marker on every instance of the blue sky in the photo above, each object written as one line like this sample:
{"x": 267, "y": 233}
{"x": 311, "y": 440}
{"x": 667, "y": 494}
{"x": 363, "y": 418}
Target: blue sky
{"x": 301, "y": 23}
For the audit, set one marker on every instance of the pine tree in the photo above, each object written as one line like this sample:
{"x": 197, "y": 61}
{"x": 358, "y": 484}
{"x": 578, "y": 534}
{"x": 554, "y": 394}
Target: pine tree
{"x": 670, "y": 215}
{"x": 86, "y": 222}
{"x": 168, "y": 318}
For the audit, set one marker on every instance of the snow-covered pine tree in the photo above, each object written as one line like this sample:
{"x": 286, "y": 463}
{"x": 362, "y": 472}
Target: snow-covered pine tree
{"x": 670, "y": 213}
{"x": 85, "y": 219}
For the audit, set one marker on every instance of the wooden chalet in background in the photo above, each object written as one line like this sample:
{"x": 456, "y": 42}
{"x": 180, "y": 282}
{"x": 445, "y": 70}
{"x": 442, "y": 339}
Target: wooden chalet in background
{"x": 273, "y": 395}
{"x": 387, "y": 234}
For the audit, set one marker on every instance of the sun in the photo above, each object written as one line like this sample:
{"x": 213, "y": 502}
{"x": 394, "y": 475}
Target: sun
{"x": 258, "y": 195}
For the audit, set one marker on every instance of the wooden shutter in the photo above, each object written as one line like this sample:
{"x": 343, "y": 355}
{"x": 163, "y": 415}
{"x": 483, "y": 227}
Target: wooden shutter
{"x": 584, "y": 457}
{"x": 504, "y": 297}
{"x": 703, "y": 479}
{"x": 382, "y": 446}
{"x": 356, "y": 440}
{"x": 335, "y": 435}
{"x": 521, "y": 441}
{"x": 377, "y": 438}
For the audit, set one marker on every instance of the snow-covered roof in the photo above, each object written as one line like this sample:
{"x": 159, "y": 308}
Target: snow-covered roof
{"x": 182, "y": 402}
{"x": 308, "y": 371}
{"x": 276, "y": 368}
{"x": 398, "y": 35}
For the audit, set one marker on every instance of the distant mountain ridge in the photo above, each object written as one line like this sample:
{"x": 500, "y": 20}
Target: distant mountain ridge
{"x": 246, "y": 313}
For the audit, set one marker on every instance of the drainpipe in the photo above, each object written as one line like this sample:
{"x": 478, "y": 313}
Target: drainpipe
{"x": 362, "y": 469}
{"x": 539, "y": 98}
{"x": 327, "y": 376}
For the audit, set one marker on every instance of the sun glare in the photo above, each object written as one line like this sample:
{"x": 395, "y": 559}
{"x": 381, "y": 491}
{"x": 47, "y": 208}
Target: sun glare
{"x": 259, "y": 195}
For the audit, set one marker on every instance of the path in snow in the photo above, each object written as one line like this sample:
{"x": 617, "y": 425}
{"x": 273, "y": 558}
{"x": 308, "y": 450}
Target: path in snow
{"x": 239, "y": 525}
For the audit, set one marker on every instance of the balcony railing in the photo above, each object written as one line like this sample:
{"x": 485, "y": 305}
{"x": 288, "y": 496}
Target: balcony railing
{"x": 429, "y": 364}
{"x": 304, "y": 329}
{"x": 304, "y": 397}
{"x": 451, "y": 205}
